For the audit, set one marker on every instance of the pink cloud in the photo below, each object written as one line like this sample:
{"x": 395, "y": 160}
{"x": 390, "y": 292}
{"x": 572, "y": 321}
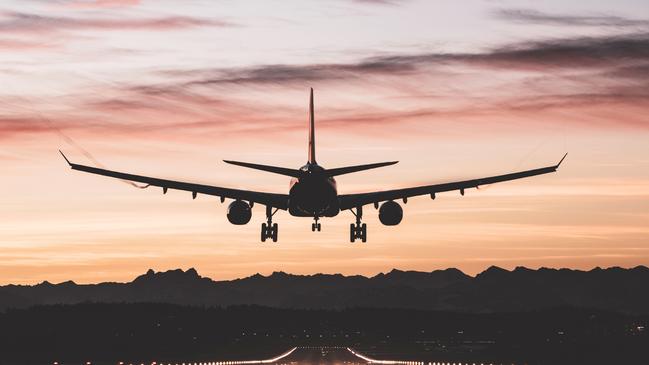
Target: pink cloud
{"x": 22, "y": 45}
{"x": 30, "y": 23}
{"x": 102, "y": 3}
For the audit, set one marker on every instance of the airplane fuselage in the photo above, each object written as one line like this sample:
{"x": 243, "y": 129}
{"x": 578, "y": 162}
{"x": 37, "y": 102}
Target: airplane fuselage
{"x": 313, "y": 195}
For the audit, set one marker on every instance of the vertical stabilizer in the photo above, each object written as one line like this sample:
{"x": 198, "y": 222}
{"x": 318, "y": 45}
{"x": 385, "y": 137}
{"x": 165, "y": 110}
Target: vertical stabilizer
{"x": 311, "y": 130}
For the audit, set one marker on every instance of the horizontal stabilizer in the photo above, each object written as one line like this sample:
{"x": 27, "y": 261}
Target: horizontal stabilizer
{"x": 273, "y": 169}
{"x": 350, "y": 169}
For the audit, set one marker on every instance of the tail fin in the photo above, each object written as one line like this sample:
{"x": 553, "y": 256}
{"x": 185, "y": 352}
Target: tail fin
{"x": 311, "y": 130}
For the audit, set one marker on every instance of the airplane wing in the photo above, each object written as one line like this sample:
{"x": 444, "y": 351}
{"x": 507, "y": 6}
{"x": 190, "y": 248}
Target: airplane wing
{"x": 349, "y": 201}
{"x": 269, "y": 199}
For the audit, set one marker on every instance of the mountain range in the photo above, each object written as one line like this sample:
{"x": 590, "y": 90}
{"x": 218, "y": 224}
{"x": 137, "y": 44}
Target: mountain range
{"x": 493, "y": 290}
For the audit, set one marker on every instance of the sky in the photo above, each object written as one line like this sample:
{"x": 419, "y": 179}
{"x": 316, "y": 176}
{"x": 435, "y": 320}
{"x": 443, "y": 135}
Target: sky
{"x": 453, "y": 90}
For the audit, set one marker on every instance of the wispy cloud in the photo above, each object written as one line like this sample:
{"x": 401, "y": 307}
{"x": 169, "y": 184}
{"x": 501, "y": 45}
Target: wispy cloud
{"x": 286, "y": 74}
{"x": 554, "y": 74}
{"x": 379, "y": 2}
{"x": 23, "y": 45}
{"x": 11, "y": 126}
{"x": 565, "y": 75}
{"x": 15, "y": 22}
{"x": 569, "y": 53}
{"x": 100, "y": 3}
{"x": 612, "y": 71}
{"x": 604, "y": 52}
{"x": 528, "y": 16}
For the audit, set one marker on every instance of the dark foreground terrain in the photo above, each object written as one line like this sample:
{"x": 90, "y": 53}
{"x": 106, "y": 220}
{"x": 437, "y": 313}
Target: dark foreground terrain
{"x": 143, "y": 333}
{"x": 494, "y": 290}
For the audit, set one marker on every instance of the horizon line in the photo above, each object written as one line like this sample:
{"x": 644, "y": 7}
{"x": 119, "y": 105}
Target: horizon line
{"x": 381, "y": 273}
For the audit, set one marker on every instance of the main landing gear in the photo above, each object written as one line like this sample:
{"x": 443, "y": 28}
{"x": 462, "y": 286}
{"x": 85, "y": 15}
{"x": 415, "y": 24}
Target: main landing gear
{"x": 269, "y": 229}
{"x": 315, "y": 226}
{"x": 358, "y": 230}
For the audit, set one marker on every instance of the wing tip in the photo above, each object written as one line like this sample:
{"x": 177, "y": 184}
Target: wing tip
{"x": 560, "y": 161}
{"x": 66, "y": 159}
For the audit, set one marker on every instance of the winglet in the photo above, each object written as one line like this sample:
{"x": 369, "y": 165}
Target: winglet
{"x": 563, "y": 158}
{"x": 66, "y": 159}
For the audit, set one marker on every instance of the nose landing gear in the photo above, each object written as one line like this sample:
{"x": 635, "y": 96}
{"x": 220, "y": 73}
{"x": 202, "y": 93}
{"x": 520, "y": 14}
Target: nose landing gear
{"x": 269, "y": 229}
{"x": 316, "y": 226}
{"x": 358, "y": 230}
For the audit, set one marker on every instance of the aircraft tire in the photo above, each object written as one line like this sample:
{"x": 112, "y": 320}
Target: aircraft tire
{"x": 275, "y": 229}
{"x": 263, "y": 232}
{"x": 364, "y": 232}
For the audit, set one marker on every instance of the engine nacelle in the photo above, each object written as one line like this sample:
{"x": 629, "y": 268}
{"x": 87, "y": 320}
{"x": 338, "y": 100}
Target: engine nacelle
{"x": 390, "y": 213}
{"x": 239, "y": 212}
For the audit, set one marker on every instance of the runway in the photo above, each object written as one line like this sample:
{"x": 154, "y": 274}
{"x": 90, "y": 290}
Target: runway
{"x": 306, "y": 355}
{"x": 321, "y": 355}
{"x": 330, "y": 355}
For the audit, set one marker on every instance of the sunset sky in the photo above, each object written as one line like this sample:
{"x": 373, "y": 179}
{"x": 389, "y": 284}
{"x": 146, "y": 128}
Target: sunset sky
{"x": 451, "y": 89}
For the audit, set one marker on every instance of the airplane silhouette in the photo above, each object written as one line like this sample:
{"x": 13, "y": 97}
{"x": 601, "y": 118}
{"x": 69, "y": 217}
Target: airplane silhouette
{"x": 313, "y": 192}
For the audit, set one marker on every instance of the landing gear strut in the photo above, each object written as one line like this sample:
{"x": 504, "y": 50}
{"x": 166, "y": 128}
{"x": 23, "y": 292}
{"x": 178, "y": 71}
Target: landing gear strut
{"x": 269, "y": 229}
{"x": 315, "y": 226}
{"x": 358, "y": 230}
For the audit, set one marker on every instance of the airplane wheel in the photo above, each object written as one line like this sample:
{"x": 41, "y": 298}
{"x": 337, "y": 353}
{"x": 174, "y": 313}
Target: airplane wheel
{"x": 263, "y": 232}
{"x": 364, "y": 232}
{"x": 312, "y": 227}
{"x": 319, "y": 227}
{"x": 274, "y": 232}
{"x": 352, "y": 235}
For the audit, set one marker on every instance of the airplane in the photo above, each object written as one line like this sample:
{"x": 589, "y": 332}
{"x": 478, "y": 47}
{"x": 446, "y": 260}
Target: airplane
{"x": 313, "y": 191}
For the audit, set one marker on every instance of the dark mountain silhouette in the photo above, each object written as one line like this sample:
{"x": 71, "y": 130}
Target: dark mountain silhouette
{"x": 494, "y": 290}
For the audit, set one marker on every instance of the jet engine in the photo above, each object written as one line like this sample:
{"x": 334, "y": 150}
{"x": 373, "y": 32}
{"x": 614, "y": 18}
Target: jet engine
{"x": 239, "y": 212}
{"x": 390, "y": 213}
